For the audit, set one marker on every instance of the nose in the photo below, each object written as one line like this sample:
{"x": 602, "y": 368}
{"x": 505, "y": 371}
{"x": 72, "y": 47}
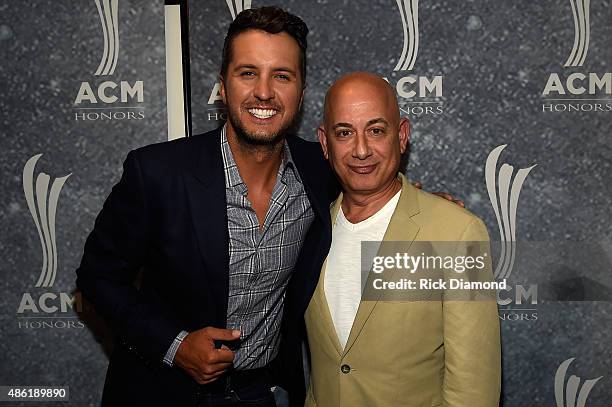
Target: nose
{"x": 361, "y": 148}
{"x": 263, "y": 89}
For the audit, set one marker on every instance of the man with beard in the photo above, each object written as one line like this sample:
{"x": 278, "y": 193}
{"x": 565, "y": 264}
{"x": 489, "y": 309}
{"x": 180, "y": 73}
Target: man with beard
{"x": 228, "y": 231}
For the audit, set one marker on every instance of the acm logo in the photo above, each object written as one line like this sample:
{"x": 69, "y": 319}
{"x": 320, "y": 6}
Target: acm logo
{"x": 581, "y": 11}
{"x": 236, "y": 6}
{"x": 415, "y": 92}
{"x": 570, "y": 393}
{"x": 108, "y": 13}
{"x": 593, "y": 89}
{"x": 105, "y": 98}
{"x": 504, "y": 187}
{"x": 409, "y": 12}
{"x": 42, "y": 195}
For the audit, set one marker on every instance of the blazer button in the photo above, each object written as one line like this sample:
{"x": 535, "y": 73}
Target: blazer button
{"x": 345, "y": 369}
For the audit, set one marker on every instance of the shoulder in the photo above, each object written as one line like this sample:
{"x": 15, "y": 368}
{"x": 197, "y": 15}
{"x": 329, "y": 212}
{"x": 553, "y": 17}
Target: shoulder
{"x": 174, "y": 153}
{"x": 447, "y": 218}
{"x": 435, "y": 205}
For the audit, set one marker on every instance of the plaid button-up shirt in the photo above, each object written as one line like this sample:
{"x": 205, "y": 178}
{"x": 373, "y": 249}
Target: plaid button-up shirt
{"x": 262, "y": 260}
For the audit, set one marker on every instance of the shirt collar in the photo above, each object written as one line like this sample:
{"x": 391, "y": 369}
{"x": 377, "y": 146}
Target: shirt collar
{"x": 232, "y": 175}
{"x": 289, "y": 163}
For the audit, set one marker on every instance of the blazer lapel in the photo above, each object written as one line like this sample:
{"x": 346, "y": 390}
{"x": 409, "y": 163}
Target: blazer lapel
{"x": 314, "y": 177}
{"x": 325, "y": 315}
{"x": 311, "y": 179}
{"x": 401, "y": 229}
{"x": 205, "y": 184}
{"x": 319, "y": 294}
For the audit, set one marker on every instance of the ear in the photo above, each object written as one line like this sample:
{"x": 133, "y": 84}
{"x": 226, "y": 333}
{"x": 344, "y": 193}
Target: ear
{"x": 323, "y": 141}
{"x": 404, "y": 134}
{"x": 222, "y": 90}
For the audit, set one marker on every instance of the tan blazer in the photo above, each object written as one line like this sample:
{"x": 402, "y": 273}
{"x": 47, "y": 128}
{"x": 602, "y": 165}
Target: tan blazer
{"x": 409, "y": 354}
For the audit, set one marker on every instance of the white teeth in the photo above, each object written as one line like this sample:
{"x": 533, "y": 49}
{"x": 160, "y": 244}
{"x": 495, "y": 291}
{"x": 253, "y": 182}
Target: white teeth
{"x": 262, "y": 113}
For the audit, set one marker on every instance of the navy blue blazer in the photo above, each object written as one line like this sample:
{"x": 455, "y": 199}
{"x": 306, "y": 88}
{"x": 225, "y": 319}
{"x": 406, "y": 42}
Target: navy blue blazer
{"x": 167, "y": 219}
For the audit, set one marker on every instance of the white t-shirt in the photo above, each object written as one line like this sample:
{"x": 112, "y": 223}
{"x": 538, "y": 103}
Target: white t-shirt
{"x": 343, "y": 272}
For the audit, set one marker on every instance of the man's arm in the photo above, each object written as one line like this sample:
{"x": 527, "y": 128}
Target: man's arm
{"x": 472, "y": 374}
{"x": 114, "y": 253}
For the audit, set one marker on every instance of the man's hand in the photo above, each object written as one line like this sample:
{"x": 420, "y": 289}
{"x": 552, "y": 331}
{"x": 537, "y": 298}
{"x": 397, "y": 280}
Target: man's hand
{"x": 444, "y": 195}
{"x": 198, "y": 356}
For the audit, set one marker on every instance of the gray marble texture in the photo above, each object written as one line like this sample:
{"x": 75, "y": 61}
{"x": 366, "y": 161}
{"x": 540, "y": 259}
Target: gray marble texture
{"x": 495, "y": 58}
{"x": 47, "y": 48}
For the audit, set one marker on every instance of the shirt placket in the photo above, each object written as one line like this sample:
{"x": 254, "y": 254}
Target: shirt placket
{"x": 278, "y": 200}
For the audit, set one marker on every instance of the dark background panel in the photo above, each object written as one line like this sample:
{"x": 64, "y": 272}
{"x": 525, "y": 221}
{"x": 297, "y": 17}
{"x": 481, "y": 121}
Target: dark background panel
{"x": 47, "y": 50}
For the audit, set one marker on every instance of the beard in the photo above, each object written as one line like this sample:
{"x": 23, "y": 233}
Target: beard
{"x": 260, "y": 138}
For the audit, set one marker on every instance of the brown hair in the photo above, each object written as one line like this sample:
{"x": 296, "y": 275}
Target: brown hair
{"x": 272, "y": 20}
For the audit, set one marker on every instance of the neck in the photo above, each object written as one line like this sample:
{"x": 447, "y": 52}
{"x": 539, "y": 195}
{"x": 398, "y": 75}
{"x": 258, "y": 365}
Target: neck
{"x": 257, "y": 165}
{"x": 360, "y": 206}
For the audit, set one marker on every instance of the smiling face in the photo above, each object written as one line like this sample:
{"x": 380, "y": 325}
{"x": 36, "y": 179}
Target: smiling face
{"x": 362, "y": 135}
{"x": 262, "y": 87}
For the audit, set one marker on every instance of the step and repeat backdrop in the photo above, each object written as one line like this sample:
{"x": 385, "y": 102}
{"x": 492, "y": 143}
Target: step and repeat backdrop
{"x": 82, "y": 83}
{"x": 511, "y": 111}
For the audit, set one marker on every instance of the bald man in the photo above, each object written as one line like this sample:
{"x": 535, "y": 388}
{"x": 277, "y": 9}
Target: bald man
{"x": 391, "y": 353}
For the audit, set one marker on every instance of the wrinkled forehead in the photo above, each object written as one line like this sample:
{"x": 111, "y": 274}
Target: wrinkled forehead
{"x": 358, "y": 102}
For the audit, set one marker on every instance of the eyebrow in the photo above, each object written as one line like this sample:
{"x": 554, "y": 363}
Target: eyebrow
{"x": 369, "y": 123}
{"x": 284, "y": 69}
{"x": 245, "y": 66}
{"x": 279, "y": 69}
{"x": 343, "y": 125}
{"x": 377, "y": 120}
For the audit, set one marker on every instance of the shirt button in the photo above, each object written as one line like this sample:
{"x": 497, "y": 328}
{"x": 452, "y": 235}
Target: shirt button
{"x": 345, "y": 369}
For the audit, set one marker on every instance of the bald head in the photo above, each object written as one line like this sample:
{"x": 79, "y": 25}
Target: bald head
{"x": 360, "y": 86}
{"x": 362, "y": 134}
